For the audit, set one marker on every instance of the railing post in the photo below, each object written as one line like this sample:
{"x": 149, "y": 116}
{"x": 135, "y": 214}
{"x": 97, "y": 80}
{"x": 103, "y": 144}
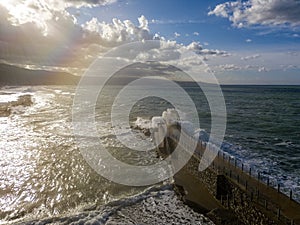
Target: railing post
{"x": 246, "y": 185}
{"x": 268, "y": 181}
{"x": 278, "y": 188}
{"x": 291, "y": 194}
{"x": 235, "y": 162}
{"x": 278, "y": 213}
{"x": 266, "y": 204}
{"x": 227, "y": 201}
{"x": 242, "y": 166}
{"x": 250, "y": 171}
{"x": 258, "y": 176}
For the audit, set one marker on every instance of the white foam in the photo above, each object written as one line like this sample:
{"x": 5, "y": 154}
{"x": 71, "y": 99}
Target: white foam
{"x": 156, "y": 121}
{"x": 142, "y": 123}
{"x": 170, "y": 116}
{"x": 157, "y": 205}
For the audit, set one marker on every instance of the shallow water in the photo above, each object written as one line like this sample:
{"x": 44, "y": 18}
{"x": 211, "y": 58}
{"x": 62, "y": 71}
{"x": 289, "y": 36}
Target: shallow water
{"x": 42, "y": 171}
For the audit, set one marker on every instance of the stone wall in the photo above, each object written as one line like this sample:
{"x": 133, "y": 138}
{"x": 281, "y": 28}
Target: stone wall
{"x": 232, "y": 197}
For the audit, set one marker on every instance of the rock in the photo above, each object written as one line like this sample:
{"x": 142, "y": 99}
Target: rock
{"x": 23, "y": 100}
{"x": 5, "y": 110}
{"x": 147, "y": 132}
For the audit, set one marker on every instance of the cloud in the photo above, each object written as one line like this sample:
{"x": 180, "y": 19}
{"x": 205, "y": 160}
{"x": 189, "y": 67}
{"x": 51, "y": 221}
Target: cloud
{"x": 229, "y": 67}
{"x": 263, "y": 69}
{"x": 198, "y": 49}
{"x": 249, "y": 13}
{"x": 196, "y": 33}
{"x": 63, "y": 43}
{"x": 67, "y": 44}
{"x": 171, "y": 21}
{"x": 117, "y": 32}
{"x": 43, "y": 34}
{"x": 250, "y": 57}
{"x": 177, "y": 34}
{"x": 248, "y": 40}
{"x": 88, "y": 3}
{"x": 40, "y": 12}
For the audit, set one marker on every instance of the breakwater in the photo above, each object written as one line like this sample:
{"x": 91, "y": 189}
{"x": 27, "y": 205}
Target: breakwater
{"x": 245, "y": 197}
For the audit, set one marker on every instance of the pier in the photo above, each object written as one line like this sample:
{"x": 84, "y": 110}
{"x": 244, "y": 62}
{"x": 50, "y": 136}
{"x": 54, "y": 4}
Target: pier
{"x": 227, "y": 184}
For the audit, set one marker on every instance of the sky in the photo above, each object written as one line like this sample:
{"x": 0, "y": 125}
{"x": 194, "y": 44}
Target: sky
{"x": 242, "y": 42}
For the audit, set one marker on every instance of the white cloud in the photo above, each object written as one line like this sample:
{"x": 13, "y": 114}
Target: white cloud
{"x": 196, "y": 33}
{"x": 198, "y": 49}
{"x": 118, "y": 31}
{"x": 260, "y": 12}
{"x": 41, "y": 12}
{"x": 263, "y": 69}
{"x": 229, "y": 67}
{"x": 250, "y": 57}
{"x": 87, "y": 3}
{"x": 63, "y": 43}
{"x": 248, "y": 40}
{"x": 171, "y": 21}
{"x": 177, "y": 34}
{"x": 262, "y": 62}
{"x": 143, "y": 23}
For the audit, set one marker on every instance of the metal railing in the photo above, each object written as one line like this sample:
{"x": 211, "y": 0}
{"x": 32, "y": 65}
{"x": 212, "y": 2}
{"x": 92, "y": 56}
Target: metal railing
{"x": 256, "y": 185}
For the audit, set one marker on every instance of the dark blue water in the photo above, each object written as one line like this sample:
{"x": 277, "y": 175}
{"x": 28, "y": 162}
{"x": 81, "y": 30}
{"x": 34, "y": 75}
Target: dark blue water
{"x": 263, "y": 129}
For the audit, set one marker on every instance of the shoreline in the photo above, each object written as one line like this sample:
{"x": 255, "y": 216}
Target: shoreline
{"x": 159, "y": 204}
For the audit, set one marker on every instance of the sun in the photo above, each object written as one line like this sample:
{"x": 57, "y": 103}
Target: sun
{"x": 28, "y": 11}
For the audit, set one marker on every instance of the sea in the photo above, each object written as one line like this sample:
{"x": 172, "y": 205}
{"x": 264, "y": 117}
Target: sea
{"x": 45, "y": 179}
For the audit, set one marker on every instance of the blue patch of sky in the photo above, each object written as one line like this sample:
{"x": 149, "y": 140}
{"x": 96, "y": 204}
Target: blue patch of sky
{"x": 187, "y": 17}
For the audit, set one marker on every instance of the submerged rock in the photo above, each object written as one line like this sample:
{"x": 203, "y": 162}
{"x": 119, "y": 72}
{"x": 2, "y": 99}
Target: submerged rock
{"x": 6, "y": 108}
{"x": 23, "y": 100}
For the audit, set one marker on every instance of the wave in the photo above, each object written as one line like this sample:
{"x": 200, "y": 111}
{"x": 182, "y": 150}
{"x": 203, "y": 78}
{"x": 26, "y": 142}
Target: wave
{"x": 156, "y": 205}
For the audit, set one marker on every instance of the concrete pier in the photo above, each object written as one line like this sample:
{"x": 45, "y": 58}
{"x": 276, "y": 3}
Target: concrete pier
{"x": 233, "y": 192}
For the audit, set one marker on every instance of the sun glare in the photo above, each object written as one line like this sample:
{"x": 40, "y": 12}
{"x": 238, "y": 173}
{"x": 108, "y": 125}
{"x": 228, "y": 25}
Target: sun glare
{"x": 22, "y": 12}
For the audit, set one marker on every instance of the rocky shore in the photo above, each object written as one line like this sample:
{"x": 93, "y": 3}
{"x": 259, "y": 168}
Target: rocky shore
{"x": 6, "y": 108}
